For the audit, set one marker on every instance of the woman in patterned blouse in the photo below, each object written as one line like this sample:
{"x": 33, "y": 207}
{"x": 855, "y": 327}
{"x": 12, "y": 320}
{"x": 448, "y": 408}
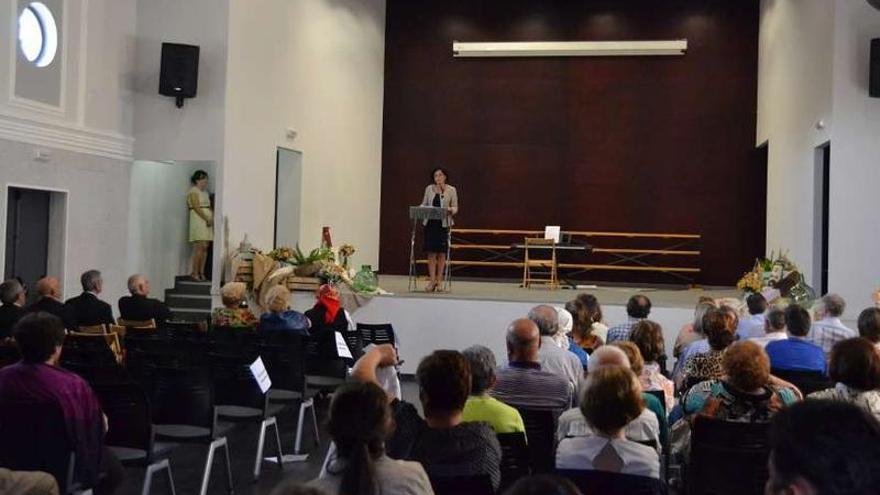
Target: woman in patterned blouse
{"x": 719, "y": 324}
{"x": 232, "y": 314}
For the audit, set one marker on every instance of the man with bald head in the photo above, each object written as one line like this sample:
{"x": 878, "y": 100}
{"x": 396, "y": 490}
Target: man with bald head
{"x": 49, "y": 289}
{"x": 522, "y": 383}
{"x": 138, "y": 306}
{"x": 552, "y": 357}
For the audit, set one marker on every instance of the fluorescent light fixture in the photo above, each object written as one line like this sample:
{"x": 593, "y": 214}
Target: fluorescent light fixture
{"x": 569, "y": 48}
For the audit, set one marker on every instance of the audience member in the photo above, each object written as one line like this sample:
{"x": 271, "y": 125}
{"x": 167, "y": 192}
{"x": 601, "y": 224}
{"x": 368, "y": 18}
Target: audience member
{"x": 652, "y": 403}
{"x": 441, "y": 442}
{"x": 232, "y": 314}
{"x": 719, "y": 324}
{"x": 139, "y": 306}
{"x": 359, "y": 423}
{"x": 645, "y": 428}
{"x": 829, "y": 330}
{"x": 588, "y": 331}
{"x": 27, "y": 483}
{"x": 746, "y": 393}
{"x": 12, "y": 296}
{"x": 49, "y": 289}
{"x": 693, "y": 331}
{"x": 37, "y": 379}
{"x": 86, "y": 308}
{"x": 869, "y": 325}
{"x": 543, "y": 484}
{"x": 821, "y": 447}
{"x": 637, "y": 308}
{"x": 774, "y": 328}
{"x": 796, "y": 352}
{"x": 326, "y": 318}
{"x": 612, "y": 399}
{"x": 648, "y": 337}
{"x": 855, "y": 368}
{"x": 480, "y": 406}
{"x": 552, "y": 358}
{"x": 753, "y": 326}
{"x": 701, "y": 346}
{"x": 280, "y": 316}
{"x": 523, "y": 383}
{"x": 563, "y": 339}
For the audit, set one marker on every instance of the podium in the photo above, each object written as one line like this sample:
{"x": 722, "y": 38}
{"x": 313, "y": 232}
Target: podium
{"x": 416, "y": 215}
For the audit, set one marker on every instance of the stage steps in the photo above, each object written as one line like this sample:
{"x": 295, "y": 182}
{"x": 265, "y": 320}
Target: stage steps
{"x": 189, "y": 300}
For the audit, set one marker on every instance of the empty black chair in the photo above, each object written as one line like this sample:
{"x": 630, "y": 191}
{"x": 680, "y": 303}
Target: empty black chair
{"x": 87, "y": 349}
{"x": 541, "y": 434}
{"x": 608, "y": 483}
{"x": 378, "y": 334}
{"x": 239, "y": 398}
{"x": 515, "y": 459}
{"x": 184, "y": 411}
{"x": 355, "y": 341}
{"x": 462, "y": 485}
{"x": 235, "y": 341}
{"x": 727, "y": 458}
{"x": 325, "y": 370}
{"x": 806, "y": 381}
{"x": 131, "y": 434}
{"x": 283, "y": 354}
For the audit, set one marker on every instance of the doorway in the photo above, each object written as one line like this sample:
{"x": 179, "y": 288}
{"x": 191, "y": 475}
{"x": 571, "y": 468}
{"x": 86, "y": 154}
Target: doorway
{"x": 821, "y": 210}
{"x": 36, "y": 222}
{"x": 288, "y": 197}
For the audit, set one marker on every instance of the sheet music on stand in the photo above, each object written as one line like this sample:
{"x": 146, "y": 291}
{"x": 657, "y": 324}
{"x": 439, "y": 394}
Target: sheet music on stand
{"x": 417, "y": 214}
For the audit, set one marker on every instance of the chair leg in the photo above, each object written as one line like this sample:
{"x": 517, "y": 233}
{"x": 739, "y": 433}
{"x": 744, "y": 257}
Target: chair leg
{"x": 264, "y": 427}
{"x": 228, "y": 467}
{"x": 299, "y": 424}
{"x": 278, "y": 447}
{"x": 151, "y": 470}
{"x": 170, "y": 480}
{"x": 315, "y": 424}
{"x": 209, "y": 462}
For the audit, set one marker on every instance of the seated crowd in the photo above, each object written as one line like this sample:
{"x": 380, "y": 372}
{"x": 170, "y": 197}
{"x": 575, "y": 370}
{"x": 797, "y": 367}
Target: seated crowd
{"x": 615, "y": 408}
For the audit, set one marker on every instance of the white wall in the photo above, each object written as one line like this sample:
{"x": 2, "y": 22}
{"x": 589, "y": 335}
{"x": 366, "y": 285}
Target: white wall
{"x": 794, "y": 93}
{"x": 854, "y": 234}
{"x": 316, "y": 66}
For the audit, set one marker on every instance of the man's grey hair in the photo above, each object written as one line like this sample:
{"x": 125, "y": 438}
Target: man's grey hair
{"x": 546, "y": 318}
{"x": 133, "y": 282}
{"x": 90, "y": 280}
{"x": 833, "y": 304}
{"x": 10, "y": 290}
{"x": 776, "y": 319}
{"x": 482, "y": 363}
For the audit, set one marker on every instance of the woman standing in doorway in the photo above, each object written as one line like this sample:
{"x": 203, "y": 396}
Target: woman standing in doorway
{"x": 201, "y": 222}
{"x": 441, "y": 195}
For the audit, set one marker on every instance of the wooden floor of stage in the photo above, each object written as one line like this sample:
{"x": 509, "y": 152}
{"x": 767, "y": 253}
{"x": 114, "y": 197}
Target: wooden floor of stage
{"x": 670, "y": 297}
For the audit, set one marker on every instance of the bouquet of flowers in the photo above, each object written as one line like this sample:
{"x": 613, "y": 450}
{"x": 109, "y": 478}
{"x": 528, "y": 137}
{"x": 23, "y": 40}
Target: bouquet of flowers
{"x": 345, "y": 252}
{"x": 281, "y": 254}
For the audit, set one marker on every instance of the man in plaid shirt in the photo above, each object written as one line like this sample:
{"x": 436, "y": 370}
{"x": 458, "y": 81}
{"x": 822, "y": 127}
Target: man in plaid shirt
{"x": 830, "y": 330}
{"x": 637, "y": 309}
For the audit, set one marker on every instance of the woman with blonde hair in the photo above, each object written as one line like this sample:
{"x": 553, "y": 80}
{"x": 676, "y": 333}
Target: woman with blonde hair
{"x": 201, "y": 222}
{"x": 232, "y": 314}
{"x": 280, "y": 316}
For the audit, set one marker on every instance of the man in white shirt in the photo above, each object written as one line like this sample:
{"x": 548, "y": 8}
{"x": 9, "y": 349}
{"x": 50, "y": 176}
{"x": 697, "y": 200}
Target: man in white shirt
{"x": 774, "y": 328}
{"x": 828, "y": 330}
{"x": 753, "y": 326}
{"x": 558, "y": 361}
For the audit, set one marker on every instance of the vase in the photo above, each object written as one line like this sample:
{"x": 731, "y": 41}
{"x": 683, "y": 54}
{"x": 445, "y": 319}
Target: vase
{"x": 365, "y": 280}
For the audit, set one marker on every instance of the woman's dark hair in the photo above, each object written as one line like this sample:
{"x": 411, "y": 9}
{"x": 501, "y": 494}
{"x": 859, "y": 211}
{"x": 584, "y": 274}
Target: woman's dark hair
{"x": 543, "y": 484}
{"x": 869, "y": 324}
{"x": 444, "y": 382}
{"x": 434, "y": 171}
{"x": 197, "y": 176}
{"x": 719, "y": 326}
{"x": 797, "y": 320}
{"x": 612, "y": 398}
{"x": 37, "y": 335}
{"x": 359, "y": 422}
{"x": 855, "y": 363}
{"x": 585, "y": 311}
{"x": 647, "y": 335}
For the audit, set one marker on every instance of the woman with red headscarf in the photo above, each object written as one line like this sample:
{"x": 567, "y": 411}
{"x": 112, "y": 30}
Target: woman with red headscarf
{"x": 328, "y": 317}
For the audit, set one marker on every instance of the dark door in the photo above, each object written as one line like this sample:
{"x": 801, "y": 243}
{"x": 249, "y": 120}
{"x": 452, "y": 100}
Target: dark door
{"x": 27, "y": 235}
{"x": 825, "y": 185}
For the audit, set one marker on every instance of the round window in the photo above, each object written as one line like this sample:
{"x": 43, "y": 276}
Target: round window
{"x": 37, "y": 34}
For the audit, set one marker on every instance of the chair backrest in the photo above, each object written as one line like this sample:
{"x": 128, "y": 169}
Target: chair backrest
{"x": 355, "y": 341}
{"x": 608, "y": 483}
{"x": 234, "y": 384}
{"x": 283, "y": 355}
{"x": 515, "y": 459}
{"x": 321, "y": 358}
{"x": 88, "y": 348}
{"x": 195, "y": 326}
{"x": 807, "y": 381}
{"x": 151, "y": 323}
{"x": 129, "y": 416}
{"x": 660, "y": 395}
{"x": 93, "y": 329}
{"x": 34, "y": 438}
{"x": 461, "y": 485}
{"x": 377, "y": 333}
{"x": 234, "y": 340}
{"x": 183, "y": 396}
{"x": 727, "y": 457}
{"x": 541, "y": 437}
{"x": 99, "y": 374}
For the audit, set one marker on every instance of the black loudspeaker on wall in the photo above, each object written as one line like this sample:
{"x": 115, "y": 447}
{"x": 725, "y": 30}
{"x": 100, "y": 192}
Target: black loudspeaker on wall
{"x": 874, "y": 78}
{"x": 179, "y": 75}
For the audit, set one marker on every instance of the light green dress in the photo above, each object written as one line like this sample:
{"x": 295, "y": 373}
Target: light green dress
{"x": 198, "y": 228}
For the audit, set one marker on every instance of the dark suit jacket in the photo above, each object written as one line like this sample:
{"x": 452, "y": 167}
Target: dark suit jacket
{"x": 9, "y": 314}
{"x": 54, "y": 307}
{"x": 88, "y": 310}
{"x": 143, "y": 308}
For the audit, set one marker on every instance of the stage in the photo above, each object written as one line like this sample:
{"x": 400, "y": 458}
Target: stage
{"x": 478, "y": 312}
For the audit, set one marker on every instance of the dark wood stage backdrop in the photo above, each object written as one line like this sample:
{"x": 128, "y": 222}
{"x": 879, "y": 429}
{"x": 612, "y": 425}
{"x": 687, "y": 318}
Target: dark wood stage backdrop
{"x": 644, "y": 144}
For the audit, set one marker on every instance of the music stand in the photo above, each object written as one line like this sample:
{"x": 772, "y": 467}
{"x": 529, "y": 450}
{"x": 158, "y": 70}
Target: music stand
{"x": 417, "y": 214}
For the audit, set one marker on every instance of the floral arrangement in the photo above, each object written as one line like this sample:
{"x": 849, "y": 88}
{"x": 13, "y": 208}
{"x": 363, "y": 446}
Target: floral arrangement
{"x": 281, "y": 254}
{"x": 774, "y": 277}
{"x": 345, "y": 252}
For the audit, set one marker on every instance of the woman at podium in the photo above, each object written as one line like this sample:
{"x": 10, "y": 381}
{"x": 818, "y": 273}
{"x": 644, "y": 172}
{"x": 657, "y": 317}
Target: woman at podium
{"x": 439, "y": 195}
